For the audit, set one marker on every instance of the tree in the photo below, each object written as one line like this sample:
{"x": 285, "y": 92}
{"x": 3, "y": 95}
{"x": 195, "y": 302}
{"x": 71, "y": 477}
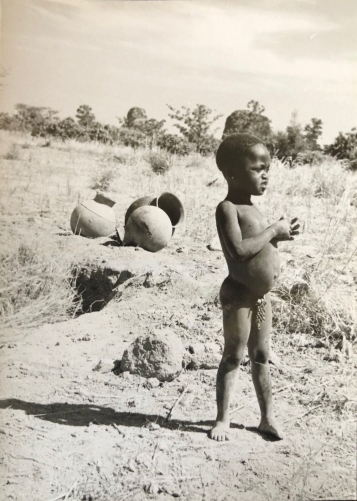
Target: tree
{"x": 312, "y": 133}
{"x": 64, "y": 129}
{"x": 195, "y": 125}
{"x": 34, "y": 119}
{"x": 344, "y": 147}
{"x": 85, "y": 116}
{"x": 249, "y": 121}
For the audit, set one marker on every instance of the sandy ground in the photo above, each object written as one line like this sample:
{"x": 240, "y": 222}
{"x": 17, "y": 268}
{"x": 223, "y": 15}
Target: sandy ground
{"x": 71, "y": 426}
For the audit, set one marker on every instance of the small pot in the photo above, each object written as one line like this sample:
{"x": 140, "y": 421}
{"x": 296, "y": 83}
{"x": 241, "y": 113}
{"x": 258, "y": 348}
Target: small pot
{"x": 94, "y": 218}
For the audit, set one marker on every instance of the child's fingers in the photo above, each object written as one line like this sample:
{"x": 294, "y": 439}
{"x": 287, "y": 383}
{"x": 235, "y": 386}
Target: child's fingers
{"x": 294, "y": 220}
{"x": 294, "y": 227}
{"x": 295, "y": 232}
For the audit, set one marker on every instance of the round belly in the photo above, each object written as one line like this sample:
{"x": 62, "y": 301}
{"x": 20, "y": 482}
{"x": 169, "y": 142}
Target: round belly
{"x": 259, "y": 274}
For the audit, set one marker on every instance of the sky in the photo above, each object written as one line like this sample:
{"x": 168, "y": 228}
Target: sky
{"x": 114, "y": 54}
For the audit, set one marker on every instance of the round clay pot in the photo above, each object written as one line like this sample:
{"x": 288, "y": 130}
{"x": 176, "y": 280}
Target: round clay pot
{"x": 148, "y": 227}
{"x": 94, "y": 218}
{"x": 170, "y": 204}
{"x": 140, "y": 202}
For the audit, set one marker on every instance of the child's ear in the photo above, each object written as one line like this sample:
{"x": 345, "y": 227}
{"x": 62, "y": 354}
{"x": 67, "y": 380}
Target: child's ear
{"x": 230, "y": 172}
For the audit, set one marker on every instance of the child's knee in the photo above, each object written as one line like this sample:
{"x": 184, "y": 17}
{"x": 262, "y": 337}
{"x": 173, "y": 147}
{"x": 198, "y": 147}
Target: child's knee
{"x": 232, "y": 360}
{"x": 259, "y": 356}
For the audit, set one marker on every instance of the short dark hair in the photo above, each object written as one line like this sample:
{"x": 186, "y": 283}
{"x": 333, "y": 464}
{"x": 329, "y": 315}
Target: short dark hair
{"x": 233, "y": 148}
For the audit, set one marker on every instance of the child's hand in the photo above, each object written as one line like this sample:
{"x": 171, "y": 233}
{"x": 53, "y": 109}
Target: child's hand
{"x": 286, "y": 230}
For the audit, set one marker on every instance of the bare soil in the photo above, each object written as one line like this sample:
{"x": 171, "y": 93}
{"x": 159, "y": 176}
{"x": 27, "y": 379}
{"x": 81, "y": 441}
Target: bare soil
{"x": 71, "y": 426}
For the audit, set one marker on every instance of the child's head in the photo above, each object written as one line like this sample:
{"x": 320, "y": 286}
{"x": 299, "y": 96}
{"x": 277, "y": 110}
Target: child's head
{"x": 244, "y": 161}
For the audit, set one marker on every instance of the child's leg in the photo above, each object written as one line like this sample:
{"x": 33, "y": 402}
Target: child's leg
{"x": 258, "y": 349}
{"x": 236, "y": 328}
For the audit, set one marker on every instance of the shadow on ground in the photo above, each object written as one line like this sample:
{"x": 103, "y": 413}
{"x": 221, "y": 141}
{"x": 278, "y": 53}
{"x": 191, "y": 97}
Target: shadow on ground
{"x": 83, "y": 415}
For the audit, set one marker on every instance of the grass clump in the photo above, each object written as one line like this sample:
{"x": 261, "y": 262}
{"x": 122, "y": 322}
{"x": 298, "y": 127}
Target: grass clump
{"x": 157, "y": 162}
{"x": 36, "y": 288}
{"x": 103, "y": 180}
{"x": 13, "y": 153}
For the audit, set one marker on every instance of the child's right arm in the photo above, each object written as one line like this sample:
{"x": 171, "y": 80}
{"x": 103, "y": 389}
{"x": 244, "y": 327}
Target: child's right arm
{"x": 239, "y": 249}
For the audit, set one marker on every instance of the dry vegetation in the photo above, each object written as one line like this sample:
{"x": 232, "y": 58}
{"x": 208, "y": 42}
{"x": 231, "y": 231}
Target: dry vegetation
{"x": 314, "y": 308}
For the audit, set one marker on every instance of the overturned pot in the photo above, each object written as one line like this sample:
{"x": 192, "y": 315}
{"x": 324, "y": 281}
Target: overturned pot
{"x": 94, "y": 218}
{"x": 168, "y": 202}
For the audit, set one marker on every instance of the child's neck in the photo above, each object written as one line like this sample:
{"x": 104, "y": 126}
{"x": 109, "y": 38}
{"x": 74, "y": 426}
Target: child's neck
{"x": 238, "y": 197}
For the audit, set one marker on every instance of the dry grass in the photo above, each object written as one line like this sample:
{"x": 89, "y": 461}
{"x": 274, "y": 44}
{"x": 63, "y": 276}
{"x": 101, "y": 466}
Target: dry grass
{"x": 49, "y": 182}
{"x": 36, "y": 288}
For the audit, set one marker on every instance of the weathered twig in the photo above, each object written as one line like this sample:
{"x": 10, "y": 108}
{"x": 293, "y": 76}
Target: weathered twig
{"x": 71, "y": 489}
{"x": 176, "y": 402}
{"x": 65, "y": 495}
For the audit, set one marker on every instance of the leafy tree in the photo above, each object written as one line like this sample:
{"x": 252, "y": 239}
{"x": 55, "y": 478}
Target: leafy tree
{"x": 34, "y": 119}
{"x": 344, "y": 147}
{"x": 85, "y": 116}
{"x": 8, "y": 122}
{"x": 195, "y": 125}
{"x": 64, "y": 129}
{"x": 151, "y": 128}
{"x": 312, "y": 132}
{"x": 249, "y": 121}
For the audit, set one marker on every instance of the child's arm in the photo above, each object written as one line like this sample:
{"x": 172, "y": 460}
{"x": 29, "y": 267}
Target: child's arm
{"x": 239, "y": 249}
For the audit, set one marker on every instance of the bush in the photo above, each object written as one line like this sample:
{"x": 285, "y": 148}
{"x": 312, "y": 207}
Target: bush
{"x": 103, "y": 181}
{"x": 158, "y": 163}
{"x": 132, "y": 137}
{"x": 175, "y": 144}
{"x": 345, "y": 148}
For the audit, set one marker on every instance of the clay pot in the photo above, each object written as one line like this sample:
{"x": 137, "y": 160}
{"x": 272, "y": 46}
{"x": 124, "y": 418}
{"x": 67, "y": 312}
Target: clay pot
{"x": 148, "y": 227}
{"x": 168, "y": 202}
{"x": 140, "y": 202}
{"x": 94, "y": 218}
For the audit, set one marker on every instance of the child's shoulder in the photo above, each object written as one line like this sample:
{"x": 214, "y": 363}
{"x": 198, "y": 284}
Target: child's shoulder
{"x": 226, "y": 209}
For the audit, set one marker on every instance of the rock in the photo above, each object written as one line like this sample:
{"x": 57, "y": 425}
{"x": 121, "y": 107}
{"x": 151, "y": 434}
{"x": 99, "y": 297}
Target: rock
{"x": 157, "y": 354}
{"x": 202, "y": 356}
{"x": 153, "y": 426}
{"x": 215, "y": 244}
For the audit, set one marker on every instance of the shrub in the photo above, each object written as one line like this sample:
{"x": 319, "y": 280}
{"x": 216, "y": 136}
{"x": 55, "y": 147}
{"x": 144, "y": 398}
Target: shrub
{"x": 158, "y": 163}
{"x": 345, "y": 148}
{"x": 132, "y": 137}
{"x": 104, "y": 180}
{"x": 175, "y": 144}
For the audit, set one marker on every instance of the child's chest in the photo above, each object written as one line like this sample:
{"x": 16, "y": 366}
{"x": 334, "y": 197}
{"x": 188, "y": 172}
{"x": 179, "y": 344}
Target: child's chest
{"x": 251, "y": 221}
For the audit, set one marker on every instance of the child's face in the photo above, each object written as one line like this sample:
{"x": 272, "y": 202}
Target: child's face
{"x": 252, "y": 177}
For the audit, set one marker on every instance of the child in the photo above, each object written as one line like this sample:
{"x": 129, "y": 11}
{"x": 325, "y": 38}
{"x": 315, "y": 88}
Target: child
{"x": 249, "y": 245}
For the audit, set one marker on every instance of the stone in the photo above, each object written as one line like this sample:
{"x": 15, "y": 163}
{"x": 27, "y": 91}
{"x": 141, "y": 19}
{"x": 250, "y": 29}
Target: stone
{"x": 158, "y": 354}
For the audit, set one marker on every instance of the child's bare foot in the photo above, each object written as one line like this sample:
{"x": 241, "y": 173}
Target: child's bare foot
{"x": 269, "y": 426}
{"x": 220, "y": 431}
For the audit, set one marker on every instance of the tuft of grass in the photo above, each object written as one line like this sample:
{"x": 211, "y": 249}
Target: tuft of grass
{"x": 36, "y": 288}
{"x": 103, "y": 180}
{"x": 13, "y": 153}
{"x": 157, "y": 162}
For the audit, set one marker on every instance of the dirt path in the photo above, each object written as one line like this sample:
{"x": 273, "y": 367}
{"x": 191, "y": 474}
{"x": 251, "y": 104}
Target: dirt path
{"x": 69, "y": 425}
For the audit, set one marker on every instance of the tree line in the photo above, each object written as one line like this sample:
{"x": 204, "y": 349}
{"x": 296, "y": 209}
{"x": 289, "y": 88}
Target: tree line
{"x": 196, "y": 131}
